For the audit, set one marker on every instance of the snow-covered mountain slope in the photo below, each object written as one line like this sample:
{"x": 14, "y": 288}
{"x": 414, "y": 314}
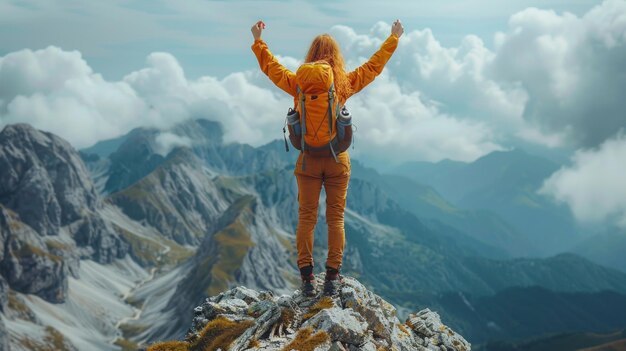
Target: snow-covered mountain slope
{"x": 88, "y": 318}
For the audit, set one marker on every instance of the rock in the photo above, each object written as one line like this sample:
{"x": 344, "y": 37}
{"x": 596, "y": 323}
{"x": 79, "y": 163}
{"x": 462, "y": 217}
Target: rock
{"x": 43, "y": 179}
{"x": 27, "y": 265}
{"x": 379, "y": 315}
{"x": 30, "y": 269}
{"x": 368, "y": 346}
{"x": 93, "y": 232}
{"x": 331, "y": 324}
{"x": 338, "y": 346}
{"x": 46, "y": 185}
{"x": 241, "y": 293}
{"x": 4, "y": 337}
{"x": 4, "y": 295}
{"x": 342, "y": 325}
{"x": 427, "y": 324}
{"x": 260, "y": 307}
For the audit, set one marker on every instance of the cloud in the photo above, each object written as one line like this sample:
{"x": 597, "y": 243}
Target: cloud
{"x": 396, "y": 125}
{"x": 57, "y": 91}
{"x": 570, "y": 68}
{"x": 454, "y": 79}
{"x": 166, "y": 141}
{"x": 593, "y": 186}
{"x": 551, "y": 79}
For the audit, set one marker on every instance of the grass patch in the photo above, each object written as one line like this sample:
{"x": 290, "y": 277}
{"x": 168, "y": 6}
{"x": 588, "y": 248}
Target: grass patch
{"x": 148, "y": 251}
{"x": 404, "y": 329}
{"x": 145, "y": 250}
{"x": 254, "y": 343}
{"x": 287, "y": 316}
{"x": 56, "y": 245}
{"x": 16, "y": 305}
{"x": 169, "y": 346}
{"x": 53, "y": 341}
{"x": 177, "y": 253}
{"x": 27, "y": 250}
{"x": 305, "y": 340}
{"x": 233, "y": 244}
{"x": 324, "y": 303}
{"x": 219, "y": 334}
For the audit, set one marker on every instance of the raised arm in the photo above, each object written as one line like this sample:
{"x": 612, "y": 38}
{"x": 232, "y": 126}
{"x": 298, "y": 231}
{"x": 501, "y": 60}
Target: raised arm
{"x": 365, "y": 74}
{"x": 277, "y": 73}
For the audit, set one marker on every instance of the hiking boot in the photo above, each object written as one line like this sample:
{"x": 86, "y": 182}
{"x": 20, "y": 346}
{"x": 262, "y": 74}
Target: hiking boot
{"x": 308, "y": 286}
{"x": 308, "y": 281}
{"x": 333, "y": 282}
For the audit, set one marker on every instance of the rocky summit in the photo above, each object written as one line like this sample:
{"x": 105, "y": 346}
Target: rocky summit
{"x": 354, "y": 319}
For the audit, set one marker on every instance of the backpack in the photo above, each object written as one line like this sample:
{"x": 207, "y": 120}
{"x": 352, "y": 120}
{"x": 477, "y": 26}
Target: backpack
{"x": 318, "y": 125}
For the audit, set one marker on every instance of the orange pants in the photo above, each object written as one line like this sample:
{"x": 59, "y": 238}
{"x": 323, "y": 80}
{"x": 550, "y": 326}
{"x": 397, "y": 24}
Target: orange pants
{"x": 334, "y": 176}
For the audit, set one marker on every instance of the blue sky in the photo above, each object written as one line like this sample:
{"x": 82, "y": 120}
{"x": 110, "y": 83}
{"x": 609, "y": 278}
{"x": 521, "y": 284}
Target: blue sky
{"x": 212, "y": 37}
{"x": 468, "y": 77}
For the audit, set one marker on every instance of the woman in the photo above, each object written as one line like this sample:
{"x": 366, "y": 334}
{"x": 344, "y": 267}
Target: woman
{"x": 332, "y": 174}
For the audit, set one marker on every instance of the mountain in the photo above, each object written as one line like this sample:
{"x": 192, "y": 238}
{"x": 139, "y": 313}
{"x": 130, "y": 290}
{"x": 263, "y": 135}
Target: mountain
{"x": 178, "y": 197}
{"x": 426, "y": 203}
{"x": 516, "y": 315}
{"x": 49, "y": 222}
{"x": 505, "y": 183}
{"x": 142, "y": 150}
{"x": 243, "y": 249}
{"x": 430, "y": 172}
{"x": 355, "y": 319}
{"x": 102, "y": 269}
{"x": 606, "y": 248}
{"x": 583, "y": 341}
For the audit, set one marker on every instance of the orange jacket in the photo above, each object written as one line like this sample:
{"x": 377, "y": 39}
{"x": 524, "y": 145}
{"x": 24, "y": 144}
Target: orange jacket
{"x": 359, "y": 78}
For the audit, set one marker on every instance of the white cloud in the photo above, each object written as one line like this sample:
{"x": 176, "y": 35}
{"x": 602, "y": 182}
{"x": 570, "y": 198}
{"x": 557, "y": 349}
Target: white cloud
{"x": 570, "y": 68}
{"x": 550, "y": 80}
{"x": 452, "y": 78}
{"x": 395, "y": 125}
{"x": 594, "y": 185}
{"x": 57, "y": 91}
{"x": 26, "y": 72}
{"x": 81, "y": 106}
{"x": 166, "y": 141}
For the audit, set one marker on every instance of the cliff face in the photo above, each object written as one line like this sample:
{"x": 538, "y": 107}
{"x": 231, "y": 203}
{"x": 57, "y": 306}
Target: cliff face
{"x": 354, "y": 319}
{"x": 49, "y": 219}
{"x": 48, "y": 214}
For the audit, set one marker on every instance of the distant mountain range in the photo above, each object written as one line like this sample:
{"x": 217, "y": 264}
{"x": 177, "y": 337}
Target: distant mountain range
{"x": 504, "y": 183}
{"x": 152, "y": 222}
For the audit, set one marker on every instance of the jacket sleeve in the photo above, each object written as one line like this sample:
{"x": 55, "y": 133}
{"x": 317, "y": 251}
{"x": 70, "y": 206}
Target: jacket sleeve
{"x": 365, "y": 74}
{"x": 277, "y": 73}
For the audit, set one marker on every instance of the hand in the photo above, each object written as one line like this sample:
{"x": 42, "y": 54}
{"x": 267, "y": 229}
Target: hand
{"x": 397, "y": 29}
{"x": 257, "y": 28}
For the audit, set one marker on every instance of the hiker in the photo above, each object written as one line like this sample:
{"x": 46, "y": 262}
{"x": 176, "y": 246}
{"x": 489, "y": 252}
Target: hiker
{"x": 322, "y": 162}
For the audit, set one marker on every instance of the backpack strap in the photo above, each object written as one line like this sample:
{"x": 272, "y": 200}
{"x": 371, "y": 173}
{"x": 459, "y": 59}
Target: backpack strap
{"x": 331, "y": 104}
{"x": 302, "y": 98}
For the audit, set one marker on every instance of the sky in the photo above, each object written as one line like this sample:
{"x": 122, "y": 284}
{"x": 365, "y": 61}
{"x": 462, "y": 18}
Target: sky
{"x": 468, "y": 77}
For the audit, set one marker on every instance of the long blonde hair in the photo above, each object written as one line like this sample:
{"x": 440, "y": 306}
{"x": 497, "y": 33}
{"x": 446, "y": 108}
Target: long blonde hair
{"x": 325, "y": 48}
